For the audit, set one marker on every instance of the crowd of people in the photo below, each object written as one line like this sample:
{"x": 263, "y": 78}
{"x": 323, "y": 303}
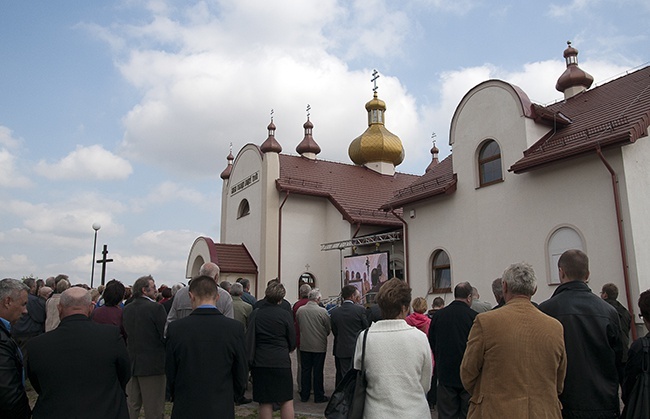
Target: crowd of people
{"x": 122, "y": 350}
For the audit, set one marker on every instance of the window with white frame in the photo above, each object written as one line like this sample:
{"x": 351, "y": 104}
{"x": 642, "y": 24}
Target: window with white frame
{"x": 562, "y": 239}
{"x": 489, "y": 163}
{"x": 440, "y": 273}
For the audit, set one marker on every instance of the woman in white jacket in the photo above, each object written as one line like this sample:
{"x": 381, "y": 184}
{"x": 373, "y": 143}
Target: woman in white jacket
{"x": 398, "y": 359}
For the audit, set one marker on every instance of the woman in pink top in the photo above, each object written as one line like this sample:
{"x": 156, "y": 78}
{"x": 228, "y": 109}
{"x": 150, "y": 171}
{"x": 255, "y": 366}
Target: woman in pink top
{"x": 418, "y": 319}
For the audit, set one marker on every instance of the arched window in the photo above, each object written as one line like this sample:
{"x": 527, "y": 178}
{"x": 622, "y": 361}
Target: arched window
{"x": 244, "y": 209}
{"x": 489, "y": 163}
{"x": 561, "y": 240}
{"x": 440, "y": 273}
{"x": 306, "y": 278}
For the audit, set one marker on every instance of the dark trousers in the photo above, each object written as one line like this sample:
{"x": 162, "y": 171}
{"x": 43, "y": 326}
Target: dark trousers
{"x": 312, "y": 363}
{"x": 432, "y": 394}
{"x": 343, "y": 365}
{"x": 453, "y": 402}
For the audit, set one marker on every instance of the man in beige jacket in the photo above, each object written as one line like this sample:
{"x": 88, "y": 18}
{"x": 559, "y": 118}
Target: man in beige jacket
{"x": 515, "y": 361}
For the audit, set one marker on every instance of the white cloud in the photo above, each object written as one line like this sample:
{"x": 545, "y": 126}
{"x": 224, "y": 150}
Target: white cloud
{"x": 459, "y": 7}
{"x": 92, "y": 162}
{"x": 74, "y": 216}
{"x": 567, "y": 10}
{"x": 175, "y": 243}
{"x": 10, "y": 177}
{"x": 10, "y": 174}
{"x": 370, "y": 29}
{"x": 7, "y": 139}
{"x": 208, "y": 79}
{"x": 133, "y": 266}
{"x": 168, "y": 192}
{"x": 16, "y": 263}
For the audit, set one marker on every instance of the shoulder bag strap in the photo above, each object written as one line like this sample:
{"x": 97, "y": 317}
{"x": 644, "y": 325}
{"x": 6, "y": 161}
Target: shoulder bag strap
{"x": 363, "y": 351}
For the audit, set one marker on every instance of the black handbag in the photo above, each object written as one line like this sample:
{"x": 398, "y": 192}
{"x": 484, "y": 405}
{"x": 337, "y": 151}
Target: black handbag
{"x": 638, "y": 405}
{"x": 349, "y": 397}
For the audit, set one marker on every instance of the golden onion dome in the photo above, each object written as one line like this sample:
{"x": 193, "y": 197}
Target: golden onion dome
{"x": 376, "y": 144}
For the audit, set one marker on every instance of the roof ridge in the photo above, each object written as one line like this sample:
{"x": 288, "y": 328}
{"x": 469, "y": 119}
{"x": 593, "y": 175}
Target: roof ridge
{"x": 342, "y": 163}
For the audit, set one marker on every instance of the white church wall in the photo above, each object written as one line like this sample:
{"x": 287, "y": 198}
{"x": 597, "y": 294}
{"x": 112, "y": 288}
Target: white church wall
{"x": 635, "y": 194}
{"x": 306, "y": 221}
{"x": 246, "y": 229}
{"x": 270, "y": 228}
{"x": 485, "y": 229}
{"x": 491, "y": 110}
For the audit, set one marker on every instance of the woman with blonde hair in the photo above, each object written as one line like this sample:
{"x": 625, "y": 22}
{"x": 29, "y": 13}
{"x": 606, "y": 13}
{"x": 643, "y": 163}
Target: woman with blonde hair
{"x": 418, "y": 319}
{"x": 398, "y": 362}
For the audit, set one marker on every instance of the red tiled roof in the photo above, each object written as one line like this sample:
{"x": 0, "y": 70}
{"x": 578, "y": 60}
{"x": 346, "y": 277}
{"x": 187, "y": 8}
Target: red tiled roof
{"x": 613, "y": 114}
{"x": 439, "y": 180}
{"x": 232, "y": 258}
{"x": 357, "y": 192}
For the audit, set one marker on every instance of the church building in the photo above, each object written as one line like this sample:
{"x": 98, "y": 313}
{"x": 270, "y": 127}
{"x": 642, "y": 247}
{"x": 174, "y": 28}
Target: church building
{"x": 525, "y": 182}
{"x": 297, "y": 217}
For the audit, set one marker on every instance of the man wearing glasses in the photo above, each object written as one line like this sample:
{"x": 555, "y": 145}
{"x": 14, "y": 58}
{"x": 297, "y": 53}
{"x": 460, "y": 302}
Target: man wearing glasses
{"x": 144, "y": 323}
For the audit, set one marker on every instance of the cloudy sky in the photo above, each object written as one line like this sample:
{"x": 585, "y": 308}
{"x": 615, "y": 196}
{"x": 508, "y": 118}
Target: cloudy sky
{"x": 122, "y": 112}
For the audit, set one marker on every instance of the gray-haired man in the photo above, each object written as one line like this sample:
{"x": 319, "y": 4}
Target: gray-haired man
{"x": 314, "y": 326}
{"x": 13, "y": 304}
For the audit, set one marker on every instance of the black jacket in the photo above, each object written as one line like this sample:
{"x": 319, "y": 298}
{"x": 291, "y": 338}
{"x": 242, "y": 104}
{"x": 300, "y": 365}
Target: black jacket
{"x": 594, "y": 350}
{"x": 144, "y": 323}
{"x": 347, "y": 321}
{"x": 79, "y": 370}
{"x": 32, "y": 323}
{"x": 206, "y": 364}
{"x": 625, "y": 319}
{"x": 273, "y": 336}
{"x": 448, "y": 334}
{"x": 13, "y": 400}
{"x": 633, "y": 368}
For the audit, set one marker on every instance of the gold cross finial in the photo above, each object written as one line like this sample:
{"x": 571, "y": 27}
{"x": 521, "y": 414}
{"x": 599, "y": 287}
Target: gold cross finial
{"x": 375, "y": 76}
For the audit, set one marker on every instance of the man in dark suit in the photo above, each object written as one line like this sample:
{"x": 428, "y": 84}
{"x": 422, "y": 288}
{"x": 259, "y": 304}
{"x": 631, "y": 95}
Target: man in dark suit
{"x": 13, "y": 304}
{"x": 81, "y": 368}
{"x": 347, "y": 321}
{"x": 206, "y": 357}
{"x": 144, "y": 323}
{"x": 448, "y": 335}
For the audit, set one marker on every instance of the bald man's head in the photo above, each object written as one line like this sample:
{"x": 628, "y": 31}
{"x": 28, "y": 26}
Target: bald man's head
{"x": 210, "y": 269}
{"x": 75, "y": 300}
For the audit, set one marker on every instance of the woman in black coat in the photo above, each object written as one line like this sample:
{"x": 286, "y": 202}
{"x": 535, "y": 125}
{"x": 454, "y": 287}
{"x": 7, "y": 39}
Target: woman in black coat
{"x": 272, "y": 335}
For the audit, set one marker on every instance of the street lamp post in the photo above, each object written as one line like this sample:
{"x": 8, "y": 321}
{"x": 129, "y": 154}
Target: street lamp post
{"x": 96, "y": 227}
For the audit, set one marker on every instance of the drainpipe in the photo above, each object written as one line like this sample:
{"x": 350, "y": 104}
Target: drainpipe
{"x": 621, "y": 237}
{"x": 280, "y": 236}
{"x": 407, "y": 260}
